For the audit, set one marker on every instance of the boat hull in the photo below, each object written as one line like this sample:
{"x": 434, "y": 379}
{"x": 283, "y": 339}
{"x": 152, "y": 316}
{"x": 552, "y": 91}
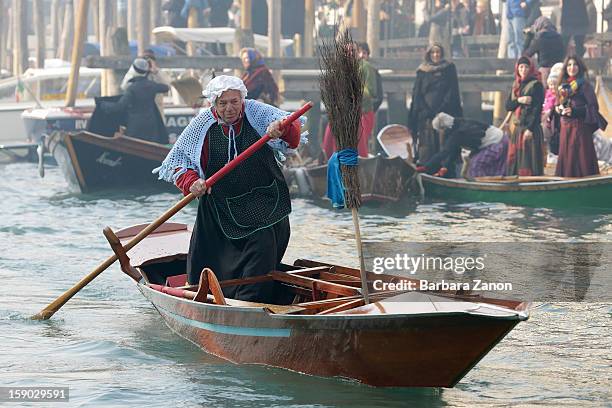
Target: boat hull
{"x": 585, "y": 193}
{"x": 91, "y": 162}
{"x": 394, "y": 351}
{"x": 380, "y": 179}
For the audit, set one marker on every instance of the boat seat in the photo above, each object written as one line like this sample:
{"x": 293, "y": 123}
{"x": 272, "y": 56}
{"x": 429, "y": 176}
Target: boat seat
{"x": 177, "y": 281}
{"x": 276, "y": 309}
{"x": 315, "y": 285}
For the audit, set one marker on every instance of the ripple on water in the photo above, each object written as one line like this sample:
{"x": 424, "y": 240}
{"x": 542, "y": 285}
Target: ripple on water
{"x": 111, "y": 347}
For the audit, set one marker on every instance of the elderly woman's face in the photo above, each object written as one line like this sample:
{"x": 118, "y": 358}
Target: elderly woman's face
{"x": 435, "y": 55}
{"x": 245, "y": 59}
{"x": 229, "y": 105}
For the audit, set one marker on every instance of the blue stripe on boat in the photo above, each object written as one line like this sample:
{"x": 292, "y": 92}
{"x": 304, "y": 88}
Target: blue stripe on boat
{"x": 234, "y": 330}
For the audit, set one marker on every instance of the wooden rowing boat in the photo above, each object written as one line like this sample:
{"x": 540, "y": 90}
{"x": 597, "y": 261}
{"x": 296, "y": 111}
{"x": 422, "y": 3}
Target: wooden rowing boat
{"x": 380, "y": 179}
{"x": 532, "y": 191}
{"x": 542, "y": 191}
{"x": 92, "y": 162}
{"x": 403, "y": 338}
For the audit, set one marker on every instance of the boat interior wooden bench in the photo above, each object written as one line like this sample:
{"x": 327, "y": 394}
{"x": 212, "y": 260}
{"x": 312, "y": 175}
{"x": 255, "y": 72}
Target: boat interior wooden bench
{"x": 316, "y": 289}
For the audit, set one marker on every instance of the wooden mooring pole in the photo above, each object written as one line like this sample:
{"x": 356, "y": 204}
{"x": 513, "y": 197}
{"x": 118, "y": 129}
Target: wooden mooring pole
{"x": 309, "y": 25}
{"x": 77, "y": 49}
{"x": 39, "y": 26}
{"x": 143, "y": 29}
{"x": 373, "y": 32}
{"x": 20, "y": 37}
{"x": 67, "y": 23}
{"x": 244, "y": 34}
{"x": 3, "y": 25}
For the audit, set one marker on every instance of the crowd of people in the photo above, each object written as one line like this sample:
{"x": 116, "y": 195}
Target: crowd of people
{"x": 446, "y": 22}
{"x": 559, "y": 113}
{"x": 551, "y": 104}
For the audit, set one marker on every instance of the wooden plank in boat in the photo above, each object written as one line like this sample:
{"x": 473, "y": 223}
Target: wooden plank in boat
{"x": 319, "y": 285}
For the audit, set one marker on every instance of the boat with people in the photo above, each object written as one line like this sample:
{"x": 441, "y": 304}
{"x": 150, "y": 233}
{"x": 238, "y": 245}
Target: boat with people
{"x": 401, "y": 339}
{"x": 593, "y": 192}
{"x": 91, "y": 162}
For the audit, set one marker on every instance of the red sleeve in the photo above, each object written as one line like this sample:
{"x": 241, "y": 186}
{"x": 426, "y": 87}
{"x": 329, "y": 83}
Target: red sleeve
{"x": 186, "y": 179}
{"x": 291, "y": 135}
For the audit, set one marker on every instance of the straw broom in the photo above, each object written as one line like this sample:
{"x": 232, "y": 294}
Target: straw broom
{"x": 341, "y": 91}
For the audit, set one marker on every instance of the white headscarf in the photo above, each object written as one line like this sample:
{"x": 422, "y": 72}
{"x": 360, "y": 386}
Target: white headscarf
{"x": 223, "y": 83}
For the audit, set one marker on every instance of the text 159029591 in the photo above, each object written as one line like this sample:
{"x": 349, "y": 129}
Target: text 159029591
{"x": 33, "y": 394}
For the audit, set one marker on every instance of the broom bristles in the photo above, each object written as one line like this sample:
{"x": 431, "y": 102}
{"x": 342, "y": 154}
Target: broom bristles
{"x": 341, "y": 86}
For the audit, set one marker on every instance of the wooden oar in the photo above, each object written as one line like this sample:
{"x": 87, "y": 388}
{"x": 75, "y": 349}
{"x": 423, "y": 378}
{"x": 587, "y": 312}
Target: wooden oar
{"x": 53, "y": 307}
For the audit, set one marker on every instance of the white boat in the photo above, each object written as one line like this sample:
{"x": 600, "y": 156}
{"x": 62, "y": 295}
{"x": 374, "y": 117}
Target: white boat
{"x": 37, "y": 88}
{"x": 222, "y": 35}
{"x": 41, "y": 122}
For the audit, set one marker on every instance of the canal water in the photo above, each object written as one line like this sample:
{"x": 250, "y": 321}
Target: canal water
{"x": 111, "y": 348}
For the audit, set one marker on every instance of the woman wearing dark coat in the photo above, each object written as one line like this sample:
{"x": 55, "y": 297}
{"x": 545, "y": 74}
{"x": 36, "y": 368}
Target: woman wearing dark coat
{"x": 143, "y": 118}
{"x": 436, "y": 90}
{"x": 580, "y": 118}
{"x": 525, "y": 151}
{"x": 543, "y": 39}
{"x": 258, "y": 78}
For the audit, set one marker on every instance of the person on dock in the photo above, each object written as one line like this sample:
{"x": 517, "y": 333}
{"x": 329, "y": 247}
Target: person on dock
{"x": 580, "y": 118}
{"x": 525, "y": 101}
{"x": 453, "y": 18}
{"x": 574, "y": 24}
{"x": 257, "y": 77}
{"x": 242, "y": 226}
{"x": 516, "y": 12}
{"x": 543, "y": 39}
{"x": 144, "y": 120}
{"x": 482, "y": 22}
{"x": 460, "y": 133}
{"x": 368, "y": 115}
{"x": 436, "y": 89}
{"x": 377, "y": 98}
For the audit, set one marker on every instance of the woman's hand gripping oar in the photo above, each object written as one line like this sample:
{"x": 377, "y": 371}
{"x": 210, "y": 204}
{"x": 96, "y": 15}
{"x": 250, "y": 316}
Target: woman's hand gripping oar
{"x": 53, "y": 307}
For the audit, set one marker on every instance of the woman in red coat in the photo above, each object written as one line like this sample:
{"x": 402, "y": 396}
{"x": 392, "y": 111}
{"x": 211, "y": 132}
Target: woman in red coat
{"x": 258, "y": 78}
{"x": 580, "y": 118}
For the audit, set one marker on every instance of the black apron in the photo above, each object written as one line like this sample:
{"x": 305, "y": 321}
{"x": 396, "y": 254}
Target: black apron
{"x": 242, "y": 227}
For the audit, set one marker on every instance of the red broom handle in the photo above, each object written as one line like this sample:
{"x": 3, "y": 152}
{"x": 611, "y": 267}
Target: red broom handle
{"x": 255, "y": 146}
